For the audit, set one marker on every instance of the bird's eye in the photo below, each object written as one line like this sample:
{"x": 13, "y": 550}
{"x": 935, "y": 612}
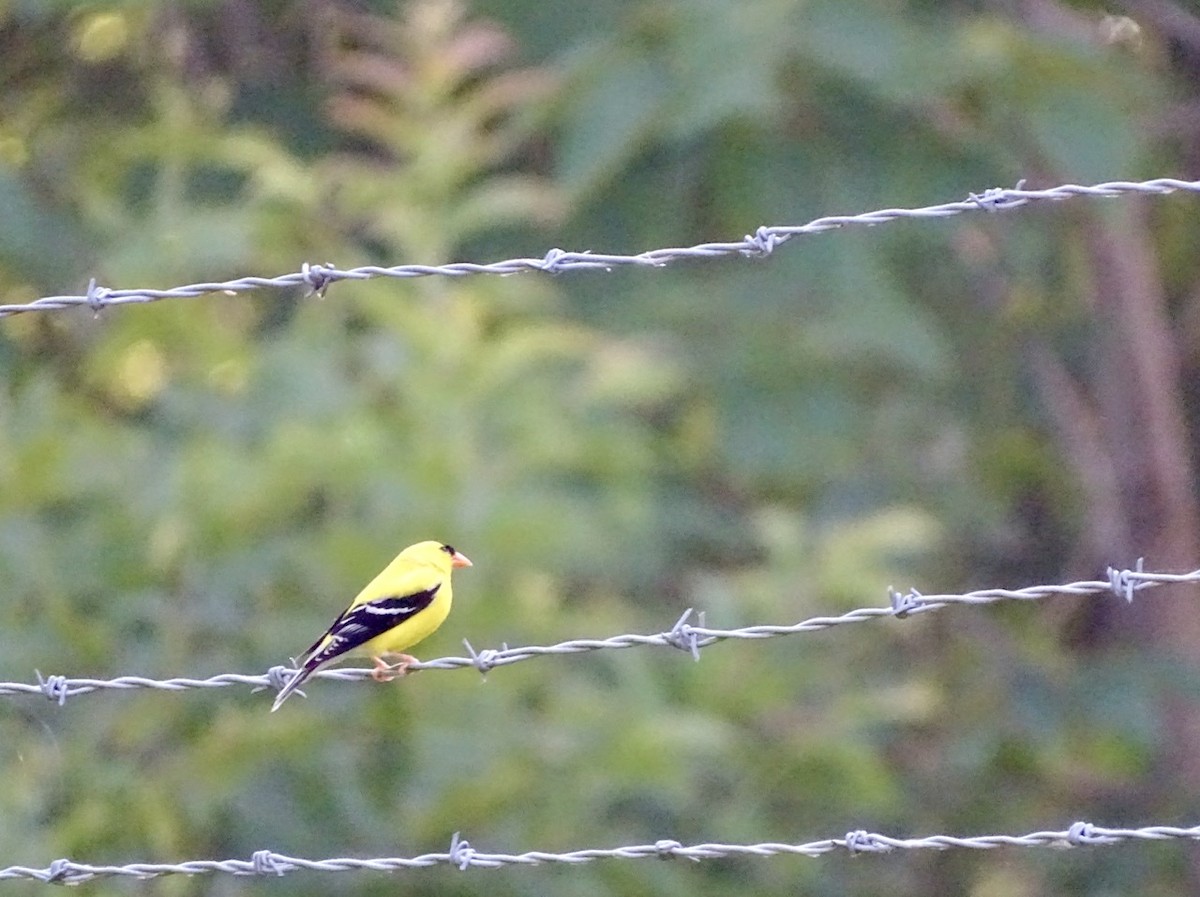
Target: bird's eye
{"x": 449, "y": 550}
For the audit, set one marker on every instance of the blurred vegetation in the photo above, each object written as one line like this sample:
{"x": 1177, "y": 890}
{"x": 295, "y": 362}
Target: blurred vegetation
{"x": 195, "y": 486}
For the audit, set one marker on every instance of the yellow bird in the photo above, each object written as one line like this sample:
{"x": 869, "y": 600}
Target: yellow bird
{"x": 404, "y": 604}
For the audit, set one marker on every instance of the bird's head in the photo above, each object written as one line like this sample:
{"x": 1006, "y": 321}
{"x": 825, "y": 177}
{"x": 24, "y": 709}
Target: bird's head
{"x": 437, "y": 554}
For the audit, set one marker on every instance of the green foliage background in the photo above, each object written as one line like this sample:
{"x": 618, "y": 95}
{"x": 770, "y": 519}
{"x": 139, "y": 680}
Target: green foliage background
{"x": 195, "y": 486}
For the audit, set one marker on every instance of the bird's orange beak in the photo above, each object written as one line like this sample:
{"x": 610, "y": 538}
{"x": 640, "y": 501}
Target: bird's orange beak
{"x": 460, "y": 560}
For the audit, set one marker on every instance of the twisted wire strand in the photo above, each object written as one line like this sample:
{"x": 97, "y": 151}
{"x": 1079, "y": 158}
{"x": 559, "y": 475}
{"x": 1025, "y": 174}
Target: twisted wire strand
{"x": 462, "y": 855}
{"x": 683, "y": 636}
{"x": 318, "y": 278}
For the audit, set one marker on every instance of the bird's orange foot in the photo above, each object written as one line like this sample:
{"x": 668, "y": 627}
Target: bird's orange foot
{"x": 386, "y": 672}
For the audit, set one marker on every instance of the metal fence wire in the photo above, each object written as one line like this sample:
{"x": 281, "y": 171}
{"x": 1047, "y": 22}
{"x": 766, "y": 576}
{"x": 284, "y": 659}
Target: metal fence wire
{"x": 683, "y": 635}
{"x": 464, "y": 856}
{"x": 318, "y": 278}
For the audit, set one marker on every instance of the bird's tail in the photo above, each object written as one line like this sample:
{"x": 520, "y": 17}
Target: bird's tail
{"x": 298, "y": 679}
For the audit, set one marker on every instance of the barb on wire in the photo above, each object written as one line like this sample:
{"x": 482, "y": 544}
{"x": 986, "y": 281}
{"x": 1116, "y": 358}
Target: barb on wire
{"x": 318, "y": 278}
{"x": 683, "y": 636}
{"x": 463, "y": 856}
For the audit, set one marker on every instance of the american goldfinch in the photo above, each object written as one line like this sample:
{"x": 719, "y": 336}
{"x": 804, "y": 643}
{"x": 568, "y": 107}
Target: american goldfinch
{"x": 401, "y": 606}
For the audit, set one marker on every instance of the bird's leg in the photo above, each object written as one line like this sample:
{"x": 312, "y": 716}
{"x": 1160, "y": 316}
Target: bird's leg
{"x": 386, "y": 672}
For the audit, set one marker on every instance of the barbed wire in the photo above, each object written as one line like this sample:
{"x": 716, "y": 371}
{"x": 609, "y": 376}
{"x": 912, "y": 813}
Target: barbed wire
{"x": 464, "y": 856}
{"x": 318, "y": 278}
{"x": 683, "y": 635}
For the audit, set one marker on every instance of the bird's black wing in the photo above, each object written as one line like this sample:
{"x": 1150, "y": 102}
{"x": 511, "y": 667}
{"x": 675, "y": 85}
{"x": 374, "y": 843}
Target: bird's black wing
{"x": 363, "y": 622}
